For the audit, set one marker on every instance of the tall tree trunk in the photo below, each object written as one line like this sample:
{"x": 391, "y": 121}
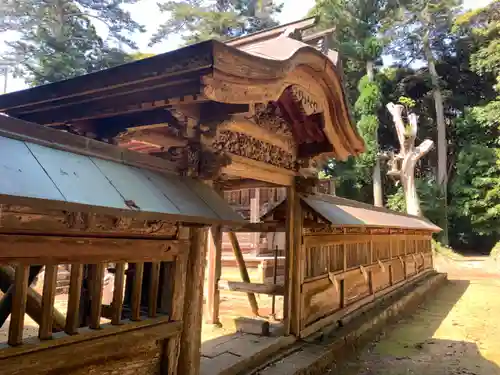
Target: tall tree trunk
{"x": 378, "y": 199}
{"x": 442, "y": 174}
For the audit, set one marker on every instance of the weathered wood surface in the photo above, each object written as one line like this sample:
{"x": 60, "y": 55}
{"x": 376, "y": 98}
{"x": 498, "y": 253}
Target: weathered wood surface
{"x": 371, "y": 268}
{"x": 52, "y": 249}
{"x": 111, "y": 344}
{"x": 214, "y": 271}
{"x": 29, "y": 220}
{"x": 48, "y": 297}
{"x": 238, "y": 286}
{"x": 190, "y": 345}
{"x": 174, "y": 287}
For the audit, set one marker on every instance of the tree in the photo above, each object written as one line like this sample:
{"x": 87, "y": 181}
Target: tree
{"x": 422, "y": 29}
{"x": 408, "y": 155}
{"x": 198, "y": 20}
{"x": 58, "y": 38}
{"x": 357, "y": 26}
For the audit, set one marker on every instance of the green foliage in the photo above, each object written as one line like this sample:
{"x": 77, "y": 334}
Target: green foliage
{"x": 58, "y": 39}
{"x": 407, "y": 102}
{"x": 429, "y": 195}
{"x": 197, "y": 21}
{"x": 476, "y": 188}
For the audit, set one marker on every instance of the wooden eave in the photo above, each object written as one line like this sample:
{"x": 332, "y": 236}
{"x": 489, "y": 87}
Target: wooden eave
{"x": 44, "y": 173}
{"x": 207, "y": 71}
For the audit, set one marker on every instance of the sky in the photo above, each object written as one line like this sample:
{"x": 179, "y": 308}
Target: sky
{"x": 146, "y": 13}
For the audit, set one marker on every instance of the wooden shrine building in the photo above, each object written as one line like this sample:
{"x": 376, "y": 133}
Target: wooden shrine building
{"x": 122, "y": 171}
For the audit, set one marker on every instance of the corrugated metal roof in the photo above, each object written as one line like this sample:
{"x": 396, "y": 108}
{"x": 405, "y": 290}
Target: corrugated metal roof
{"x": 340, "y": 211}
{"x": 41, "y": 174}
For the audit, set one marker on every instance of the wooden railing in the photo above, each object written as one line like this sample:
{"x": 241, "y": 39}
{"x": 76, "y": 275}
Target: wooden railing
{"x": 142, "y": 311}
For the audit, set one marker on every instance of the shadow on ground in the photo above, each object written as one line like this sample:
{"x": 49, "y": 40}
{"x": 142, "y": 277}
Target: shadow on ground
{"x": 442, "y": 337}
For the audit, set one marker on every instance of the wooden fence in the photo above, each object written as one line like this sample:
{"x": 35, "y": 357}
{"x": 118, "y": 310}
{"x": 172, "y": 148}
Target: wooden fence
{"x": 341, "y": 272}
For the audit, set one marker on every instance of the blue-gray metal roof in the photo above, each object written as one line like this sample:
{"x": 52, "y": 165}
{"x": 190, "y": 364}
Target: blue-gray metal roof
{"x": 345, "y": 212}
{"x": 35, "y": 174}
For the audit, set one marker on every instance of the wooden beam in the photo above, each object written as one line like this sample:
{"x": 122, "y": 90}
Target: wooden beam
{"x": 242, "y": 184}
{"x": 190, "y": 345}
{"x": 243, "y": 270}
{"x": 214, "y": 270}
{"x": 51, "y": 249}
{"x": 238, "y": 286}
{"x": 294, "y": 263}
{"x": 274, "y": 226}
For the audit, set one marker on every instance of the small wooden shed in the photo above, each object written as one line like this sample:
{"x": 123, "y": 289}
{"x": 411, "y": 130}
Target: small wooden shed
{"x": 348, "y": 254}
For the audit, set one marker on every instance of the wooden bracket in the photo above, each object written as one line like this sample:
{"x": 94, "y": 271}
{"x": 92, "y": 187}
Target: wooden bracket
{"x": 334, "y": 281}
{"x": 363, "y": 271}
{"x": 382, "y": 266}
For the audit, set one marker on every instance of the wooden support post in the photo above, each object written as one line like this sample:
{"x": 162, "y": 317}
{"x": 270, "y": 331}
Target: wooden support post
{"x": 190, "y": 345}
{"x": 153, "y": 289}
{"x": 19, "y": 291}
{"x": 214, "y": 270}
{"x": 243, "y": 270}
{"x": 117, "y": 304}
{"x": 48, "y": 296}
{"x": 294, "y": 263}
{"x": 137, "y": 291}
{"x": 255, "y": 213}
{"x": 96, "y": 282}
{"x": 75, "y": 290}
{"x": 174, "y": 289}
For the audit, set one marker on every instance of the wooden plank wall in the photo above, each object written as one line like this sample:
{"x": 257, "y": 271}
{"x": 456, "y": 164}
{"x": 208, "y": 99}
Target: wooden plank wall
{"x": 343, "y": 271}
{"x": 138, "y": 333}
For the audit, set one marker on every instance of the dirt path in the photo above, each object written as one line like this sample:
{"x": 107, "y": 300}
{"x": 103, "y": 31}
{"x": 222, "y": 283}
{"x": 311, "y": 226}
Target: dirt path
{"x": 456, "y": 331}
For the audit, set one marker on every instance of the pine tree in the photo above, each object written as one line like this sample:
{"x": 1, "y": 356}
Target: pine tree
{"x": 357, "y": 37}
{"x": 421, "y": 31}
{"x": 58, "y": 38}
{"x": 198, "y": 20}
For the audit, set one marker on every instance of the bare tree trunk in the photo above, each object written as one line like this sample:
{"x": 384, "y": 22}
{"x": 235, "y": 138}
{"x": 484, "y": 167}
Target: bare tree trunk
{"x": 442, "y": 175}
{"x": 410, "y": 156}
{"x": 378, "y": 198}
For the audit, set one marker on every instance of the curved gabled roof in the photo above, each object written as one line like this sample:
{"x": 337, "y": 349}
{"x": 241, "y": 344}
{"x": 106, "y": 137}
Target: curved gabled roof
{"x": 257, "y": 68}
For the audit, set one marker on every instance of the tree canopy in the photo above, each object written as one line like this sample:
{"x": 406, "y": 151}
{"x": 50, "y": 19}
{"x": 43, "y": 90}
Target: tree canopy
{"x": 58, "y": 38}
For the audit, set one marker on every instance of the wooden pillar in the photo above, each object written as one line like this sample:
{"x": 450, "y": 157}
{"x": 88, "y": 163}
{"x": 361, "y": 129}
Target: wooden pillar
{"x": 214, "y": 270}
{"x": 172, "y": 300}
{"x": 190, "y": 343}
{"x": 293, "y": 263}
{"x": 255, "y": 215}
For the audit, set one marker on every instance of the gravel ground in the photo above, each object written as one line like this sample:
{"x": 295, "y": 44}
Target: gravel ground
{"x": 454, "y": 332}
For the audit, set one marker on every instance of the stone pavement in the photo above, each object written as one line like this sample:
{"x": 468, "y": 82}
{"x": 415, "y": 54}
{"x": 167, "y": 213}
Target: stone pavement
{"x": 232, "y": 353}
